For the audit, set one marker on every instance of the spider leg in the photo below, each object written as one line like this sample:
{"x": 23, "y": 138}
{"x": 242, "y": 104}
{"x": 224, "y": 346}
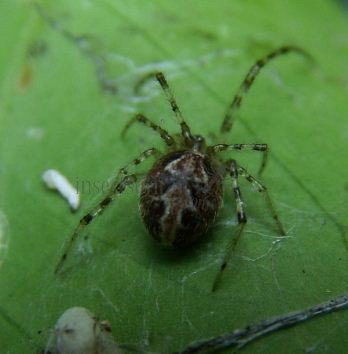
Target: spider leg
{"x": 118, "y": 186}
{"x": 257, "y": 147}
{"x": 249, "y": 79}
{"x": 236, "y": 171}
{"x": 261, "y": 188}
{"x": 241, "y": 216}
{"x": 143, "y": 80}
{"x": 185, "y": 130}
{"x": 124, "y": 171}
{"x": 169, "y": 140}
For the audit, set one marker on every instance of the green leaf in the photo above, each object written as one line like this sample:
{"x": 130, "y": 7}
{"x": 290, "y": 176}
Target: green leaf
{"x": 59, "y": 109}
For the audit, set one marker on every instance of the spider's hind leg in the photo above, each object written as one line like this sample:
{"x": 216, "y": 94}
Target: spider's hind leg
{"x": 118, "y": 186}
{"x": 232, "y": 169}
{"x": 262, "y": 189}
{"x": 236, "y": 171}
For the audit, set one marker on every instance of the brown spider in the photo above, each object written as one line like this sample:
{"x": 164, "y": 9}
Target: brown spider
{"x": 182, "y": 193}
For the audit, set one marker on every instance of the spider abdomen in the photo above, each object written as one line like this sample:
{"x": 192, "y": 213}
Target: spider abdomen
{"x": 180, "y": 197}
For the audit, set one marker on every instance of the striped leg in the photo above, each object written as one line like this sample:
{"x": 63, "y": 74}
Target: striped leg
{"x": 143, "y": 80}
{"x": 185, "y": 130}
{"x": 261, "y": 188}
{"x": 242, "y": 219}
{"x": 249, "y": 79}
{"x": 124, "y": 171}
{"x": 116, "y": 189}
{"x": 169, "y": 140}
{"x": 256, "y": 147}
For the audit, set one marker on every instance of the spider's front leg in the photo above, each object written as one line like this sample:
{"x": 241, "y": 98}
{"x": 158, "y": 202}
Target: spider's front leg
{"x": 140, "y": 118}
{"x": 249, "y": 79}
{"x": 185, "y": 129}
{"x": 231, "y": 167}
{"x": 117, "y": 188}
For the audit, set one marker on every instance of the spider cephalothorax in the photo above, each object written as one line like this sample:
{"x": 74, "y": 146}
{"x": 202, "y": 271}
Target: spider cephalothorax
{"x": 182, "y": 193}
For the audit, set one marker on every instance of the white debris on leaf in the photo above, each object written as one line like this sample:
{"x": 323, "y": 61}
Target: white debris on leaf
{"x": 55, "y": 180}
{"x": 78, "y": 331}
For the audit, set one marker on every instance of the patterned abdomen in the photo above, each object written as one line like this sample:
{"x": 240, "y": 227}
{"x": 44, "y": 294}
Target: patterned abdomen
{"x": 180, "y": 197}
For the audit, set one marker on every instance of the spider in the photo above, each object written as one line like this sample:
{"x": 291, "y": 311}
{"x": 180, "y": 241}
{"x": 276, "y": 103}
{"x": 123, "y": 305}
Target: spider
{"x": 182, "y": 192}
